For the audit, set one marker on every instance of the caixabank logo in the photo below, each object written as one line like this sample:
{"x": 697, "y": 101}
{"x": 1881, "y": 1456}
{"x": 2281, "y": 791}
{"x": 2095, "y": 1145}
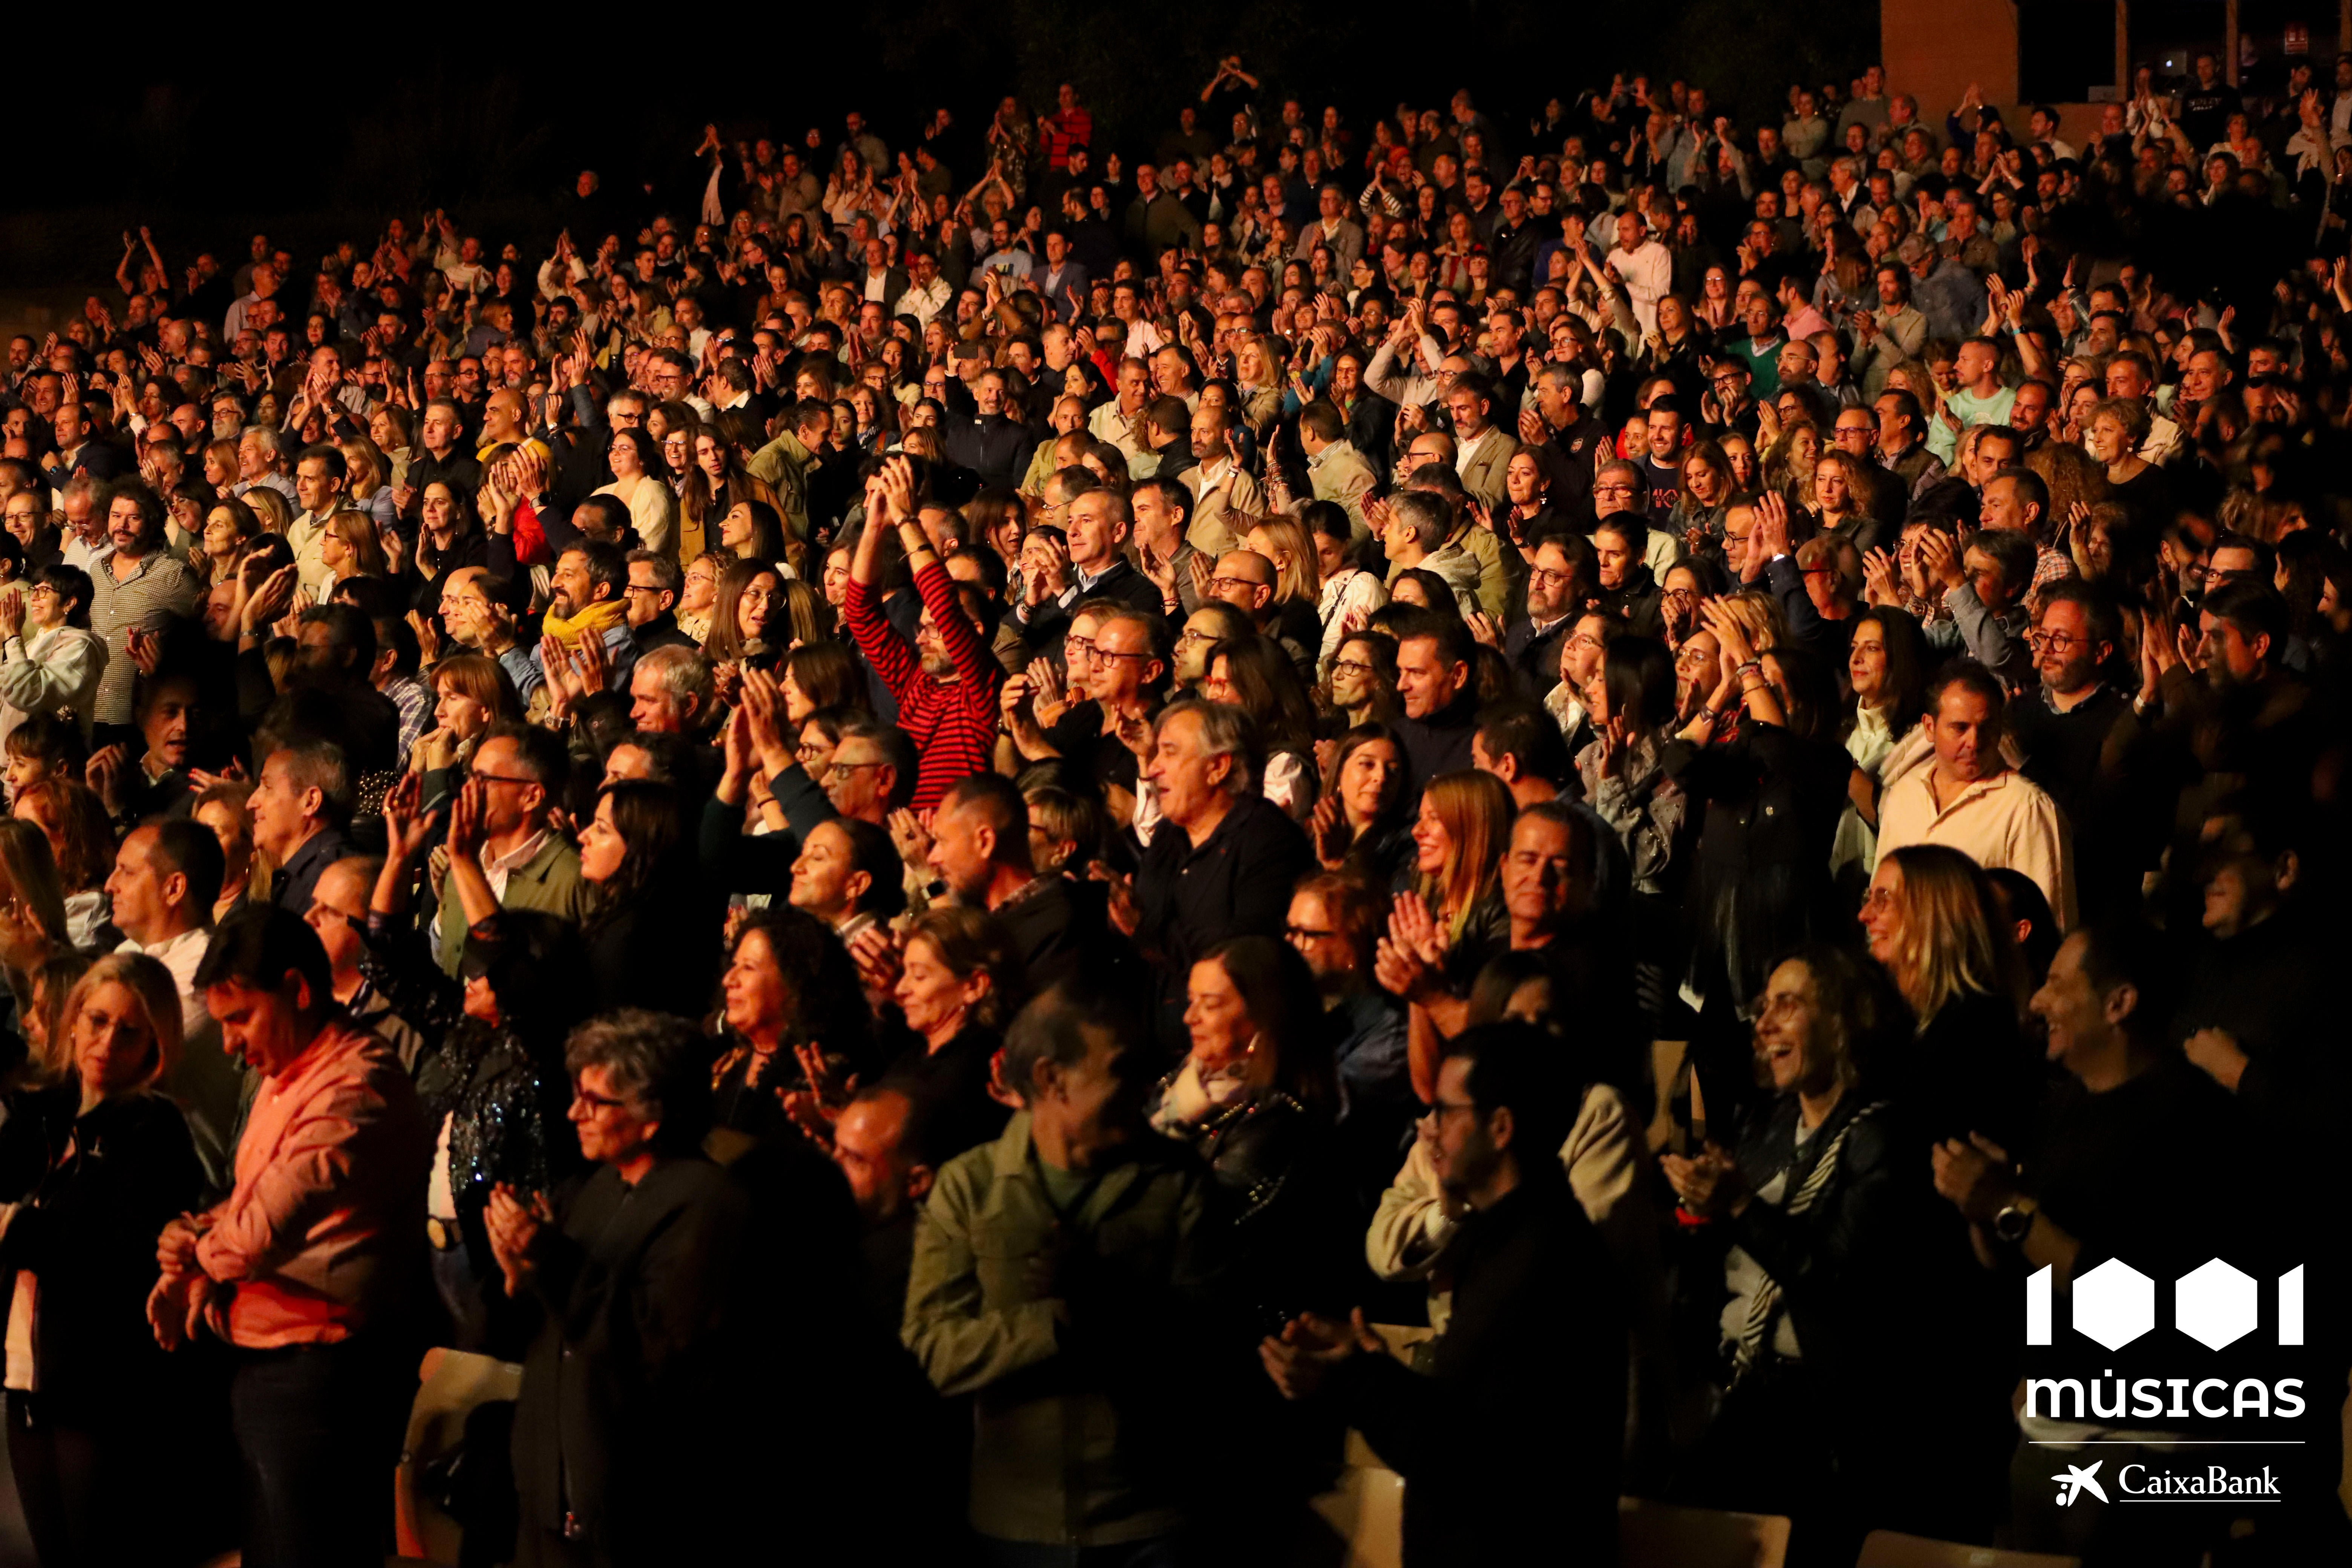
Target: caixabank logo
{"x": 2161, "y": 1407}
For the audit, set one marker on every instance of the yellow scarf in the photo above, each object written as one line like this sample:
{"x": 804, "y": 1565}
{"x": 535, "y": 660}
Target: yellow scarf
{"x": 594, "y": 621}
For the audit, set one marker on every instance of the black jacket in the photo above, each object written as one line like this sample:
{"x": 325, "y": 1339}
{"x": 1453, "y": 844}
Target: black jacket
{"x": 990, "y": 445}
{"x": 1510, "y": 1444}
{"x": 621, "y": 1420}
{"x": 1049, "y": 620}
{"x": 1439, "y": 743}
{"x": 87, "y": 1230}
{"x": 1535, "y": 655}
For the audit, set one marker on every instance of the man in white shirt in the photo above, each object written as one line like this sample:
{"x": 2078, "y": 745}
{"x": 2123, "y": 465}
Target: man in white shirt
{"x": 166, "y": 878}
{"x": 56, "y": 667}
{"x": 320, "y": 474}
{"x": 927, "y": 295}
{"x": 1973, "y": 801}
{"x": 1643, "y": 266}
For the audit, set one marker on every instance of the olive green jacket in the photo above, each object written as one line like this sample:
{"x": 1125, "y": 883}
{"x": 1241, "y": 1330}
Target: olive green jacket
{"x": 1078, "y": 1369}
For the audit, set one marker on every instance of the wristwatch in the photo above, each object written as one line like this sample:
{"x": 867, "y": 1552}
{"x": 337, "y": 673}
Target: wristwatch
{"x": 2013, "y": 1224}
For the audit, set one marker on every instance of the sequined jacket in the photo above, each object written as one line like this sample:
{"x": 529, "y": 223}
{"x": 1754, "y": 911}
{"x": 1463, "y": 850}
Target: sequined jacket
{"x": 504, "y": 1108}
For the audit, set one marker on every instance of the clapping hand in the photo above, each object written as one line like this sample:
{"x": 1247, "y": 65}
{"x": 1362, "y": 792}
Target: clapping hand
{"x": 1707, "y": 1183}
{"x": 515, "y": 1224}
{"x": 1303, "y": 1355}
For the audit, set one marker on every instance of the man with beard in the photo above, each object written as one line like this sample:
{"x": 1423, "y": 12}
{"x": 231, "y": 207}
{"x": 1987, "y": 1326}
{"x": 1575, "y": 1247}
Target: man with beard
{"x": 1535, "y": 1327}
{"x": 945, "y": 685}
{"x": 1559, "y": 580}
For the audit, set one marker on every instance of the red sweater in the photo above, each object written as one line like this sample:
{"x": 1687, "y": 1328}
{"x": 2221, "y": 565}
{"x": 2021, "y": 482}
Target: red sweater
{"x": 952, "y": 723}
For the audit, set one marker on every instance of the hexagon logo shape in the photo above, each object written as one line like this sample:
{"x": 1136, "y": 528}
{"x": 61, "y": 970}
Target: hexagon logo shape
{"x": 2115, "y": 1304}
{"x": 2215, "y": 1304}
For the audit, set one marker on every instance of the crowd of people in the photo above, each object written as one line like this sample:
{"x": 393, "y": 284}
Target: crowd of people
{"x": 980, "y": 837}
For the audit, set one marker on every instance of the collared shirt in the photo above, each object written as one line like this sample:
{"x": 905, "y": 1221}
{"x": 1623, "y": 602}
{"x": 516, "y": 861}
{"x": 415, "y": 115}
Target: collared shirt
{"x": 322, "y": 1232}
{"x": 181, "y": 954}
{"x": 306, "y": 536}
{"x": 924, "y": 300}
{"x": 1470, "y": 451}
{"x": 499, "y": 868}
{"x": 416, "y": 704}
{"x": 158, "y": 591}
{"x": 2004, "y": 820}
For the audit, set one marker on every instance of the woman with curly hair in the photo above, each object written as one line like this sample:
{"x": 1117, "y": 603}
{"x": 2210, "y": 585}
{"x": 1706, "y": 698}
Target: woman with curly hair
{"x": 793, "y": 1017}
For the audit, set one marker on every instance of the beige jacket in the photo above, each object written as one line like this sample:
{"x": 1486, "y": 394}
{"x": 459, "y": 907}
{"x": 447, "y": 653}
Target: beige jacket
{"x": 1603, "y": 1158}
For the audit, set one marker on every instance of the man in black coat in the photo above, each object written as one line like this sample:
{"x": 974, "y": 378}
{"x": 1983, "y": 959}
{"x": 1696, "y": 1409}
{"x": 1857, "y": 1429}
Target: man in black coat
{"x": 1508, "y": 1444}
{"x": 1222, "y": 862}
{"x": 1437, "y": 686}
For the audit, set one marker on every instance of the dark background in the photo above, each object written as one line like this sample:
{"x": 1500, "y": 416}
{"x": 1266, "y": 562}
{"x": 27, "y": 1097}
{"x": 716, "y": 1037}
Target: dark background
{"x": 255, "y": 122}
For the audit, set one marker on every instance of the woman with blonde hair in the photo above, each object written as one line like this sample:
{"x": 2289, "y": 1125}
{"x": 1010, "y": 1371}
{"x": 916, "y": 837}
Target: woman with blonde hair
{"x": 1932, "y": 923}
{"x": 219, "y": 465}
{"x": 1789, "y": 463}
{"x": 275, "y": 512}
{"x": 1458, "y": 842}
{"x": 350, "y": 547}
{"x": 95, "y": 1406}
{"x": 368, "y": 481}
{"x": 1297, "y": 575}
{"x": 1257, "y": 377}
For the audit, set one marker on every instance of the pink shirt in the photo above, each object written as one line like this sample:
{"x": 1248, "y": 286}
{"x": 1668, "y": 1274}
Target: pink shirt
{"x": 325, "y": 1227}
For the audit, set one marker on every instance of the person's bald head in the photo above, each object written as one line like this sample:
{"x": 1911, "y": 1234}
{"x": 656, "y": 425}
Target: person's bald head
{"x": 1243, "y": 579}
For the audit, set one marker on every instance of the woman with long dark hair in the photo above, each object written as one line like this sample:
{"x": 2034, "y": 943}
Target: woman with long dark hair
{"x": 649, "y": 926}
{"x": 747, "y": 617}
{"x": 793, "y": 1018}
{"x": 716, "y": 483}
{"x": 449, "y": 536}
{"x": 1255, "y": 1096}
{"x": 1887, "y": 664}
{"x": 1359, "y": 824}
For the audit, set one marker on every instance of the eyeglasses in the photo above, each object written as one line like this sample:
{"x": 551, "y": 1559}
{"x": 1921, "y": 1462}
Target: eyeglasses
{"x": 1306, "y": 933}
{"x": 596, "y": 1102}
{"x": 642, "y": 588}
{"x": 1341, "y": 665}
{"x": 1107, "y": 653}
{"x": 840, "y": 768}
{"x": 2059, "y": 643}
{"x": 1079, "y": 644}
{"x": 1220, "y": 585}
{"x": 477, "y": 774}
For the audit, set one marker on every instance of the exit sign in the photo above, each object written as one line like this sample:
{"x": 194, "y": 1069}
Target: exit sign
{"x": 2298, "y": 38}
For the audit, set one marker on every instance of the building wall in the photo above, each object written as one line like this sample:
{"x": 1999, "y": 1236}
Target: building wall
{"x": 1935, "y": 48}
